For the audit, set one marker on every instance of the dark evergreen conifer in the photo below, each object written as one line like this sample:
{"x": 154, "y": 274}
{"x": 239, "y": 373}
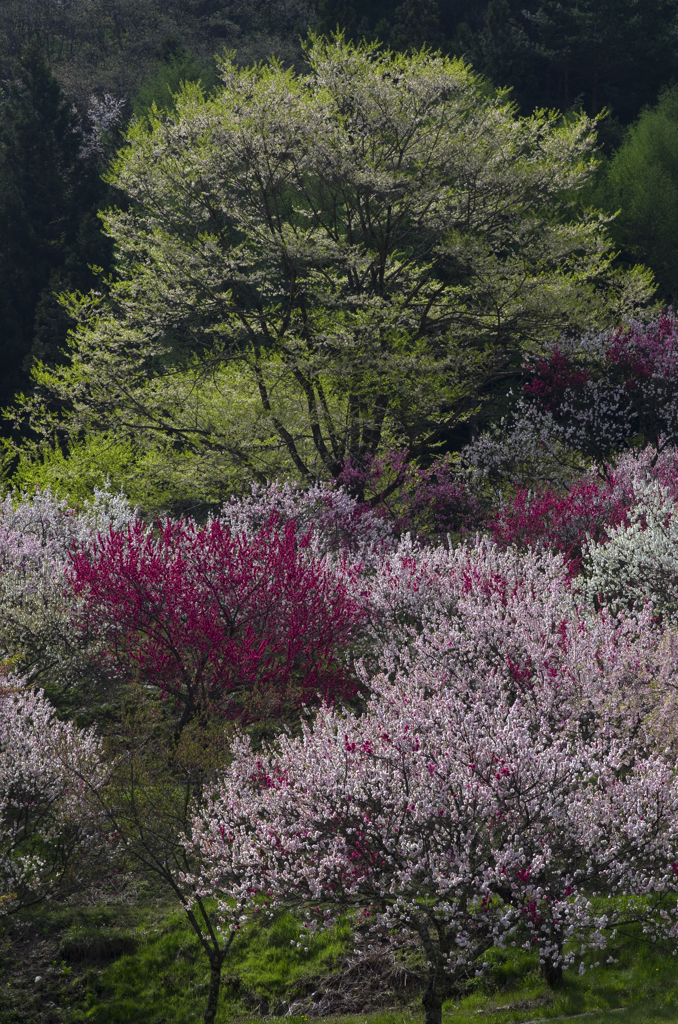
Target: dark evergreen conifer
{"x": 49, "y": 232}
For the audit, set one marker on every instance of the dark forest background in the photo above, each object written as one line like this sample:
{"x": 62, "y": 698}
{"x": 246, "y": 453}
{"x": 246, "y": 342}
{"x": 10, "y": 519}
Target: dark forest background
{"x": 62, "y": 62}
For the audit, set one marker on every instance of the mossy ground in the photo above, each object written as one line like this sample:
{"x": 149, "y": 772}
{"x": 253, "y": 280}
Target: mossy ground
{"x": 141, "y": 964}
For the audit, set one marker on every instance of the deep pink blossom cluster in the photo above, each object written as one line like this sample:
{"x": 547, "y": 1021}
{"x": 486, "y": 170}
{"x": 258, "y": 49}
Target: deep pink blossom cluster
{"x": 606, "y": 390}
{"x": 430, "y": 502}
{"x": 246, "y": 625}
{"x": 565, "y": 522}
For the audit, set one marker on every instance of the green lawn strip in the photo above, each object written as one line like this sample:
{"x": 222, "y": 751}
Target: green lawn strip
{"x": 127, "y": 964}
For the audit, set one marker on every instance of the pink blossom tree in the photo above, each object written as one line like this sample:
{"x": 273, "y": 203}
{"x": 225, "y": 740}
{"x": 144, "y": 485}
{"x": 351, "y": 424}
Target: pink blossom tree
{"x": 468, "y": 824}
{"x": 513, "y": 769}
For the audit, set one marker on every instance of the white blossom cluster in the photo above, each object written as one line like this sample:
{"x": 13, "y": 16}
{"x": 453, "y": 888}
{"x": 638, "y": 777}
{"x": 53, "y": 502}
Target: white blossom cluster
{"x": 103, "y": 115}
{"x": 38, "y": 611}
{"x": 638, "y": 562}
{"x": 336, "y": 522}
{"x": 527, "y": 448}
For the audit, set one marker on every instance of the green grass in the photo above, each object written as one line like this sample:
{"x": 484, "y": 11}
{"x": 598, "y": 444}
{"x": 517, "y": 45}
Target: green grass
{"x": 166, "y": 976}
{"x": 143, "y": 965}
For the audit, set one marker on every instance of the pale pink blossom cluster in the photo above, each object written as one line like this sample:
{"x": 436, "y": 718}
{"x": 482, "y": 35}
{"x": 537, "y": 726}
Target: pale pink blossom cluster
{"x": 38, "y": 610}
{"x": 337, "y": 522}
{"x": 48, "y": 769}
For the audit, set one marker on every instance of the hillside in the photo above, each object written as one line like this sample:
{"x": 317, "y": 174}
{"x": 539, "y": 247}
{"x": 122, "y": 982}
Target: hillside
{"x": 98, "y": 46}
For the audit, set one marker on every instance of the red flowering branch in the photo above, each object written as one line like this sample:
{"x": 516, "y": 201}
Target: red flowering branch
{"x": 248, "y": 626}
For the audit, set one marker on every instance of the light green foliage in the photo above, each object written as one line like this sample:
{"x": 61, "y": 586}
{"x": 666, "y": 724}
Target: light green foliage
{"x": 313, "y": 268}
{"x": 88, "y": 465}
{"x": 641, "y": 182}
{"x": 156, "y": 480}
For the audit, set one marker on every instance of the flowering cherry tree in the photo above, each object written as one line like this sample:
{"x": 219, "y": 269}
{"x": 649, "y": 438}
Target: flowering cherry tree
{"x": 636, "y": 563}
{"x": 48, "y": 769}
{"x": 250, "y": 626}
{"x": 504, "y": 781}
{"x": 39, "y": 613}
{"x": 331, "y": 521}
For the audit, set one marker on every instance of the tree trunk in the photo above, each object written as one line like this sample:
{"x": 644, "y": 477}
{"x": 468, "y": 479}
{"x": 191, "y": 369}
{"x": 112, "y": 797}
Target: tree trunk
{"x": 553, "y": 974}
{"x": 432, "y": 1001}
{"x": 213, "y": 995}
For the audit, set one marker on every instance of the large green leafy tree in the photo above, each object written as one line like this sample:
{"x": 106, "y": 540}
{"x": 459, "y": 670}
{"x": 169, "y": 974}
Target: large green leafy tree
{"x": 49, "y": 231}
{"x": 315, "y": 268}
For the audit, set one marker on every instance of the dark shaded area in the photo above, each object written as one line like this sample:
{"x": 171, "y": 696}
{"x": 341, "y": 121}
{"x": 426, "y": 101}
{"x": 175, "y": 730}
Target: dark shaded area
{"x": 594, "y": 54}
{"x": 49, "y": 231}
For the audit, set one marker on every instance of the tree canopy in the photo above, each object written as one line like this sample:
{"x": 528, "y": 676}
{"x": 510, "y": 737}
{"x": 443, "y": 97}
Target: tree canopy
{"x": 315, "y": 267}
{"x": 640, "y": 185}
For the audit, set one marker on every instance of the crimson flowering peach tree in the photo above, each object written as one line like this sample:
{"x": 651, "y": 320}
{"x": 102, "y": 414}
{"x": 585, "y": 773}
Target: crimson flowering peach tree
{"x": 618, "y": 535}
{"x": 249, "y": 626}
{"x": 567, "y": 520}
{"x": 509, "y": 775}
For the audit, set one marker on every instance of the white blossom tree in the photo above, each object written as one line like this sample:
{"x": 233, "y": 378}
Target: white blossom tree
{"x": 637, "y": 563}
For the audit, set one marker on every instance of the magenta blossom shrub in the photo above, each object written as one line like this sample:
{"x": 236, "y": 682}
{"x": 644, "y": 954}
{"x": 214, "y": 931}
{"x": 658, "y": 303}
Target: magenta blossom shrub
{"x": 562, "y": 522}
{"x": 249, "y": 626}
{"x": 604, "y": 391}
{"x": 429, "y": 503}
{"x": 567, "y": 522}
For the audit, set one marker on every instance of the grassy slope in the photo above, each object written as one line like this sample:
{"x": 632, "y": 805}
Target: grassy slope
{"x": 122, "y": 964}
